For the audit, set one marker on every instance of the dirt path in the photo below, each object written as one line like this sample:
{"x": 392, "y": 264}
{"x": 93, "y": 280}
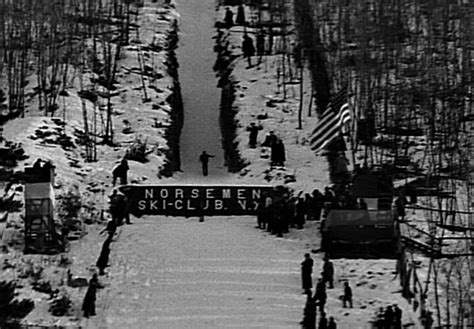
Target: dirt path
{"x": 179, "y": 273}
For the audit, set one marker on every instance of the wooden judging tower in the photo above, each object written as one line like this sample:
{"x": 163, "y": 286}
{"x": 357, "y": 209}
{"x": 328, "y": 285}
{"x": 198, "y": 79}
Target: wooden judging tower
{"x": 40, "y": 231}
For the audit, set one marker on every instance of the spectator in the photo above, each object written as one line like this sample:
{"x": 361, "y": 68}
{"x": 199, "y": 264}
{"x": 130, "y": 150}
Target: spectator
{"x": 320, "y": 295}
{"x": 318, "y": 203}
{"x": 309, "y": 316}
{"x": 400, "y": 203}
{"x": 278, "y": 157}
{"x": 120, "y": 171}
{"x": 240, "y": 19}
{"x": 306, "y": 272}
{"x": 110, "y": 228}
{"x": 264, "y": 212}
{"x": 300, "y": 210}
{"x": 332, "y": 324}
{"x": 118, "y": 207}
{"x": 88, "y": 304}
{"x": 253, "y": 129}
{"x": 389, "y": 317}
{"x": 323, "y": 322}
{"x": 328, "y": 272}
{"x": 347, "y": 297}
{"x": 248, "y": 49}
{"x": 270, "y": 139}
{"x": 309, "y": 211}
{"x": 228, "y": 18}
{"x": 398, "y": 316}
{"x": 103, "y": 260}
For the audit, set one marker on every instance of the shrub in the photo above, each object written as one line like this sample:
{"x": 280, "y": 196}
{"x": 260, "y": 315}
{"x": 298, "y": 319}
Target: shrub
{"x": 60, "y": 304}
{"x": 11, "y": 311}
{"x": 69, "y": 204}
{"x": 43, "y": 286}
{"x": 137, "y": 151}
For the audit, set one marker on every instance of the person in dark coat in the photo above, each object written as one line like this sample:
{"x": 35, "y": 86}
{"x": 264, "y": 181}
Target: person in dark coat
{"x": 240, "y": 19}
{"x": 332, "y": 324}
{"x": 228, "y": 18}
{"x": 328, "y": 272}
{"x": 279, "y": 211}
{"x": 309, "y": 315}
{"x": 320, "y": 295}
{"x": 300, "y": 211}
{"x": 278, "y": 157}
{"x": 287, "y": 212}
{"x": 306, "y": 272}
{"x": 318, "y": 203}
{"x": 117, "y": 207}
{"x": 329, "y": 195}
{"x": 308, "y": 200}
{"x": 389, "y": 316}
{"x": 398, "y": 316}
{"x": 248, "y": 49}
{"x": 264, "y": 212}
{"x": 253, "y": 129}
{"x": 270, "y": 139}
{"x": 103, "y": 260}
{"x": 347, "y": 297}
{"x": 323, "y": 322}
{"x": 329, "y": 200}
{"x": 120, "y": 171}
{"x": 204, "y": 158}
{"x": 400, "y": 203}
{"x": 110, "y": 228}
{"x": 88, "y": 304}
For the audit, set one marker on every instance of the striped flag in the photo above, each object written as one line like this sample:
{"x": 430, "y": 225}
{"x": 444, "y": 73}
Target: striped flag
{"x": 331, "y": 122}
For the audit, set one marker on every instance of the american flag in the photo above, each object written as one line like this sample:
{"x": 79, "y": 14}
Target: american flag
{"x": 331, "y": 122}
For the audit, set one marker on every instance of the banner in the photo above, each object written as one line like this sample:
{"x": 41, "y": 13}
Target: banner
{"x": 194, "y": 200}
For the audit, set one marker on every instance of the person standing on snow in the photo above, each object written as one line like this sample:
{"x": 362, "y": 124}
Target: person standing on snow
{"x": 398, "y": 316}
{"x": 347, "y": 297}
{"x": 240, "y": 19}
{"x": 103, "y": 260}
{"x": 204, "y": 158}
{"x": 400, "y": 203}
{"x": 318, "y": 203}
{"x": 332, "y": 324}
{"x": 278, "y": 153}
{"x": 309, "y": 315}
{"x": 323, "y": 321}
{"x": 120, "y": 171}
{"x": 228, "y": 18}
{"x": 88, "y": 304}
{"x": 111, "y": 228}
{"x": 248, "y": 49}
{"x": 328, "y": 272}
{"x": 253, "y": 129}
{"x": 118, "y": 207}
{"x": 270, "y": 139}
{"x": 320, "y": 295}
{"x": 306, "y": 272}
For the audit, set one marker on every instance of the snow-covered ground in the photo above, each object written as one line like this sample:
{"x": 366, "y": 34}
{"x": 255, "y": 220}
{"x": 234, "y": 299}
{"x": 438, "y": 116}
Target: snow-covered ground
{"x": 171, "y": 272}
